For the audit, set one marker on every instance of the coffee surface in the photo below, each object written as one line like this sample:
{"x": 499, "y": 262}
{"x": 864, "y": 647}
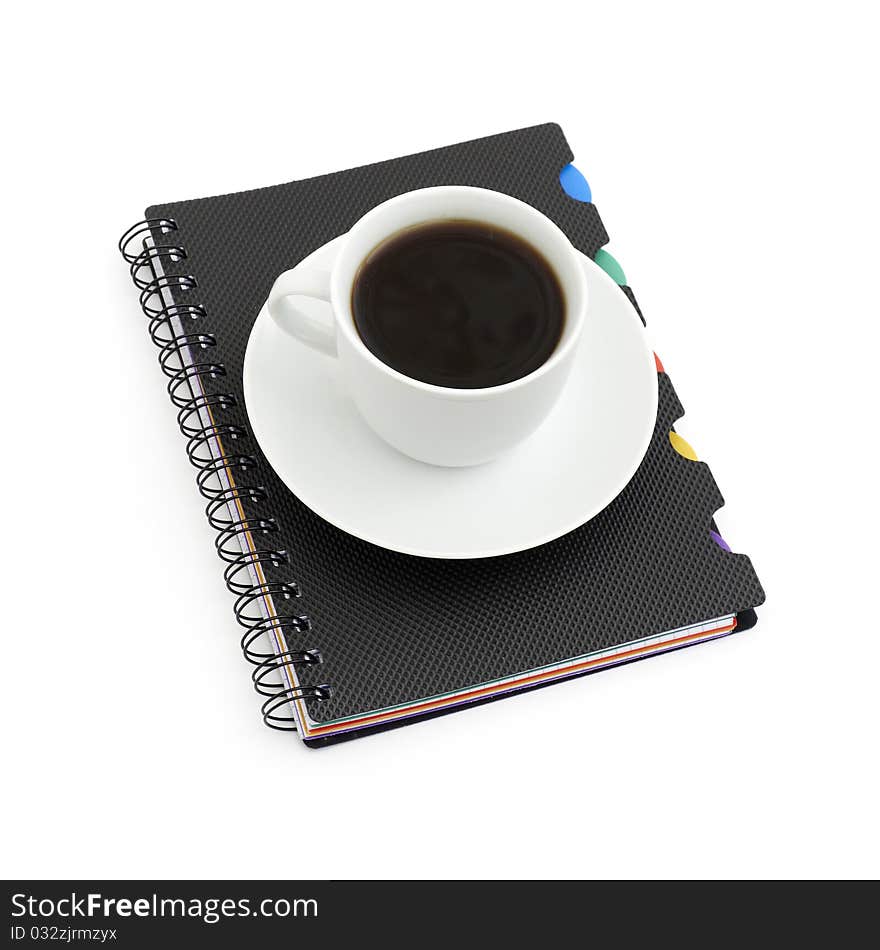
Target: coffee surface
{"x": 461, "y": 304}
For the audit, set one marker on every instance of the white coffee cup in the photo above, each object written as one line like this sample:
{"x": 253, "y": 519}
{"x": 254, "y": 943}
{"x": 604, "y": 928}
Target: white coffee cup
{"x": 435, "y": 424}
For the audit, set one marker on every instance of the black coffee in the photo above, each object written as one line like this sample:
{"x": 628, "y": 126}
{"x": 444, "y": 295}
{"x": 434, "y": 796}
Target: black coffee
{"x": 458, "y": 303}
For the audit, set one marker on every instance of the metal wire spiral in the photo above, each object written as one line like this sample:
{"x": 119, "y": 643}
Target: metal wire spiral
{"x": 242, "y": 539}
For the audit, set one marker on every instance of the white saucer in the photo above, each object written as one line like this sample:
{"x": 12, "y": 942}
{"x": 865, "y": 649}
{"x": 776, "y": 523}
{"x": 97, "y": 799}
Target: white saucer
{"x": 577, "y": 462}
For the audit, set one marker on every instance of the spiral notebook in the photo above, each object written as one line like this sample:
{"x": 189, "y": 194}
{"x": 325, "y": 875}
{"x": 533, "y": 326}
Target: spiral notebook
{"x": 345, "y": 638}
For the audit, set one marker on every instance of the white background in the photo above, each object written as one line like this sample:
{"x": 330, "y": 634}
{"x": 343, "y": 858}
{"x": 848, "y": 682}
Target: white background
{"x": 733, "y": 158}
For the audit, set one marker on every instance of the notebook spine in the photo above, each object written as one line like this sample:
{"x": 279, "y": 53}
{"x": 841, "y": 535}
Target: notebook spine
{"x": 226, "y": 477}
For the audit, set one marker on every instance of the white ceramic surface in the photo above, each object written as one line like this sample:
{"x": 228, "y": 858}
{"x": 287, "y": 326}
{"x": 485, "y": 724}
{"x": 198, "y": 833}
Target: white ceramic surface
{"x": 558, "y": 478}
{"x": 435, "y": 424}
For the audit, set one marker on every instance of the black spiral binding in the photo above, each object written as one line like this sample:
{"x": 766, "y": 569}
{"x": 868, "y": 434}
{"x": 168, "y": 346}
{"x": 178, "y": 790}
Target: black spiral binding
{"x": 184, "y": 359}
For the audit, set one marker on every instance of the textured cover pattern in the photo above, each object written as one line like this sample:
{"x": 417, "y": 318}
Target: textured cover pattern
{"x": 393, "y": 628}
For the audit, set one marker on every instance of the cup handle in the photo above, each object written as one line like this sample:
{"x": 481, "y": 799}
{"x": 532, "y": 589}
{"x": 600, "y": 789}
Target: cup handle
{"x": 304, "y": 282}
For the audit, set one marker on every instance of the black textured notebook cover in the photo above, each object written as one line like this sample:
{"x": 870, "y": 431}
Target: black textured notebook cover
{"x": 392, "y": 628}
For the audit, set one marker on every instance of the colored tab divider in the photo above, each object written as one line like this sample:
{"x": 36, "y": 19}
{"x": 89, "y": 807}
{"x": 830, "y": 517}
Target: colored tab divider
{"x": 682, "y": 446}
{"x": 716, "y": 537}
{"x": 611, "y": 267}
{"x": 574, "y": 184}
